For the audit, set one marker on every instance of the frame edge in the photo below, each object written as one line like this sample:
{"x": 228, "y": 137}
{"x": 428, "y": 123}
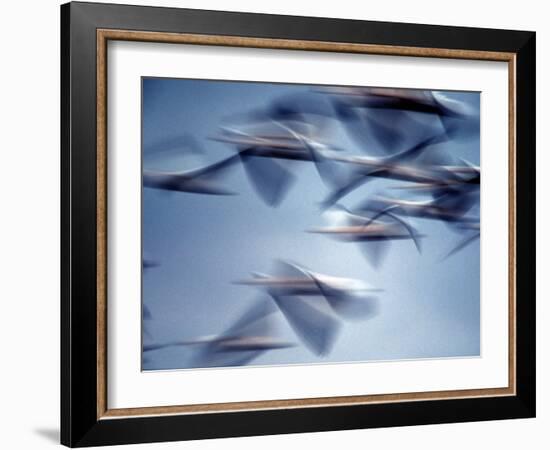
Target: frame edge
{"x": 81, "y": 431}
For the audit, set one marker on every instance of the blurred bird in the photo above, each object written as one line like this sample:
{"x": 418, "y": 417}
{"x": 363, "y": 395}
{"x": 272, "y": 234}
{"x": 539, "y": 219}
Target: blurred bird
{"x": 251, "y": 335}
{"x": 399, "y": 166}
{"x": 313, "y": 302}
{"x": 305, "y": 111}
{"x": 201, "y": 180}
{"x": 390, "y": 117}
{"x": 267, "y": 148}
{"x": 448, "y": 178}
{"x": 204, "y": 180}
{"x": 447, "y": 208}
{"x": 415, "y": 100}
{"x": 374, "y": 233}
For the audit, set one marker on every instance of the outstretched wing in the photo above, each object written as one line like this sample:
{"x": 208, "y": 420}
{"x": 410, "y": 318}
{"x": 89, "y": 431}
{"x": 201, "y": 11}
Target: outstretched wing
{"x": 254, "y": 321}
{"x": 290, "y": 270}
{"x": 201, "y": 180}
{"x": 375, "y": 252}
{"x": 311, "y": 318}
{"x": 312, "y": 321}
{"x": 415, "y": 150}
{"x": 269, "y": 177}
{"x": 355, "y": 180}
{"x": 458, "y": 203}
{"x": 389, "y": 212}
{"x": 214, "y": 170}
{"x": 462, "y": 244}
{"x": 257, "y": 320}
{"x": 329, "y": 170}
{"x": 347, "y": 305}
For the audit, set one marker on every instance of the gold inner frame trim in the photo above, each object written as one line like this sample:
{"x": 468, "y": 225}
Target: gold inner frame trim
{"x": 103, "y": 36}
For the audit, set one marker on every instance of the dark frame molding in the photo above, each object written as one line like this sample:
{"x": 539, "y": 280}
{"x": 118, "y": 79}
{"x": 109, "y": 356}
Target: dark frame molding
{"x": 80, "y": 425}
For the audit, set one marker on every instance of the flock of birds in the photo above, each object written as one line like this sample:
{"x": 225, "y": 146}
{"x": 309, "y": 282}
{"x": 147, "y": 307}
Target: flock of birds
{"x": 377, "y": 120}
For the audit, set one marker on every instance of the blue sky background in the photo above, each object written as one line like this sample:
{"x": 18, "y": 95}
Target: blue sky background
{"x": 429, "y": 308}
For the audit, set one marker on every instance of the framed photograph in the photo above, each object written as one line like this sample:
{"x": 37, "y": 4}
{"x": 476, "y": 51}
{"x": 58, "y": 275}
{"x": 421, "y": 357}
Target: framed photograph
{"x": 277, "y": 224}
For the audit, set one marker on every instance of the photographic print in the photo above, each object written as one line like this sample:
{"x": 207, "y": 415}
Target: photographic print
{"x": 295, "y": 215}
{"x": 292, "y": 224}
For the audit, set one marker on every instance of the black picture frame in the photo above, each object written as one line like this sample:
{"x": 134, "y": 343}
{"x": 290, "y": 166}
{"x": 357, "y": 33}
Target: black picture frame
{"x": 80, "y": 425}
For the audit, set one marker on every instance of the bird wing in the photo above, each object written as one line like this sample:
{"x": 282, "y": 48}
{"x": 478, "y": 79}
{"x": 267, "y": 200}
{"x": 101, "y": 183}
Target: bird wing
{"x": 347, "y": 305}
{"x": 355, "y": 180}
{"x": 462, "y": 244}
{"x": 375, "y": 251}
{"x": 416, "y": 150}
{"x": 254, "y": 321}
{"x": 213, "y": 169}
{"x": 270, "y": 178}
{"x": 389, "y": 212}
{"x": 316, "y": 326}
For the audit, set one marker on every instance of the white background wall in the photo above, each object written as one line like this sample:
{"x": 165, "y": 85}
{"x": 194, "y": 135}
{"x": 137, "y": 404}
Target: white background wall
{"x": 29, "y": 228}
